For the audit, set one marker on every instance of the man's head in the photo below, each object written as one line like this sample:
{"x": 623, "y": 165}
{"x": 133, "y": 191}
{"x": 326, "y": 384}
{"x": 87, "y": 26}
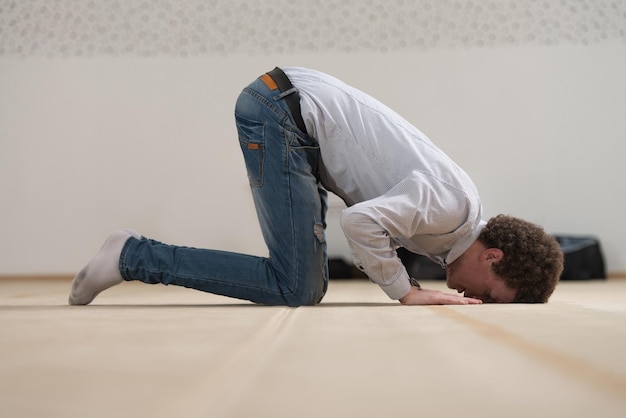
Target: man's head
{"x": 532, "y": 262}
{"x": 512, "y": 261}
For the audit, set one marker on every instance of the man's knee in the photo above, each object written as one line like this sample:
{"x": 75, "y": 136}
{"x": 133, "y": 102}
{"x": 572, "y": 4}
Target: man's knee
{"x": 306, "y": 295}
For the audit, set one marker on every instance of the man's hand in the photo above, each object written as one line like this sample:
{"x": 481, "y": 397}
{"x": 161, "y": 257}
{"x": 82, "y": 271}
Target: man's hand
{"x": 435, "y": 297}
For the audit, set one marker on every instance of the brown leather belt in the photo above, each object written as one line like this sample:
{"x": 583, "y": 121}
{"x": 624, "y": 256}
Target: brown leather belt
{"x": 278, "y": 80}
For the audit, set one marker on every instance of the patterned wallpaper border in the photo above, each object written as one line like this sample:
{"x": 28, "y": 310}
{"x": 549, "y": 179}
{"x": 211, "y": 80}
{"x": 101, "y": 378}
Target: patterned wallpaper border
{"x": 86, "y": 28}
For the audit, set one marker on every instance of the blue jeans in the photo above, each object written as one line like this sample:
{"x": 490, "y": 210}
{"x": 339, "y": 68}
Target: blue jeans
{"x": 291, "y": 206}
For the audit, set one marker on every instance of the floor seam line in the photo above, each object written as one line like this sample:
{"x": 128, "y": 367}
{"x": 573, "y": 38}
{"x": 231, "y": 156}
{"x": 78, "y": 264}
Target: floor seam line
{"x": 224, "y": 385}
{"x": 577, "y": 367}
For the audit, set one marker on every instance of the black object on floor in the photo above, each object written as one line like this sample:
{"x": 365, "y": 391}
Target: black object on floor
{"x": 338, "y": 268}
{"x": 583, "y": 258}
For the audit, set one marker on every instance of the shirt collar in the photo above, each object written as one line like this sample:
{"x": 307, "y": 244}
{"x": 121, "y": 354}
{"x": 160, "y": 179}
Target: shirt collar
{"x": 464, "y": 243}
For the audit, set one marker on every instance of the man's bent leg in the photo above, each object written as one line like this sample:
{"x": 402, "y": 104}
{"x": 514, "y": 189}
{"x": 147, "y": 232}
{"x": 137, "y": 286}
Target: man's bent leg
{"x": 223, "y": 273}
{"x": 291, "y": 206}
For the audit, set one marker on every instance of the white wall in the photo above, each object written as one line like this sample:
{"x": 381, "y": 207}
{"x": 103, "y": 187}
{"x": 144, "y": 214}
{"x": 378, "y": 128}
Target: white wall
{"x": 97, "y": 135}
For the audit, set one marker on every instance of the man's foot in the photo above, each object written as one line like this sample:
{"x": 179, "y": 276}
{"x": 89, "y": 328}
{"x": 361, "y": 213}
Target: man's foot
{"x": 102, "y": 271}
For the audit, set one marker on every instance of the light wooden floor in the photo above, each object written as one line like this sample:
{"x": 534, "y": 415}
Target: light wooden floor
{"x": 156, "y": 351}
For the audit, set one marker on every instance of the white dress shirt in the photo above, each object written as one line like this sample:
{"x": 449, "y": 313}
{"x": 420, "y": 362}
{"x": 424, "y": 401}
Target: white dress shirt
{"x": 401, "y": 190}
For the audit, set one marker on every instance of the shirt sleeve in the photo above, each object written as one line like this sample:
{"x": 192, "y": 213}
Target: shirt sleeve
{"x": 417, "y": 206}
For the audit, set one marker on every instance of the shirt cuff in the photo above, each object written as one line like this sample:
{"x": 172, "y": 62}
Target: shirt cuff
{"x": 397, "y": 289}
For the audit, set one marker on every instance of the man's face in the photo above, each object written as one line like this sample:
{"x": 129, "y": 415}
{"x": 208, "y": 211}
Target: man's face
{"x": 472, "y": 274}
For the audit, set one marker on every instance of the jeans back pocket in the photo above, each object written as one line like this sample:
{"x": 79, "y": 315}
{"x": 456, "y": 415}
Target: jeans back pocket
{"x": 252, "y": 142}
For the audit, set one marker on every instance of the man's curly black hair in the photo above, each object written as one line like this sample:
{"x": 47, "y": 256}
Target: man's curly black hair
{"x": 532, "y": 262}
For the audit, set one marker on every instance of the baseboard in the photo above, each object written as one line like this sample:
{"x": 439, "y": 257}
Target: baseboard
{"x": 37, "y": 277}
{"x": 615, "y": 275}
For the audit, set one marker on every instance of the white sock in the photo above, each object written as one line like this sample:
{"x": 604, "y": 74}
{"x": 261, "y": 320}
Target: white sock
{"x": 102, "y": 271}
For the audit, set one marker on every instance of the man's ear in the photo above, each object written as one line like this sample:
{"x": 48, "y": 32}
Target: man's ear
{"x": 492, "y": 255}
